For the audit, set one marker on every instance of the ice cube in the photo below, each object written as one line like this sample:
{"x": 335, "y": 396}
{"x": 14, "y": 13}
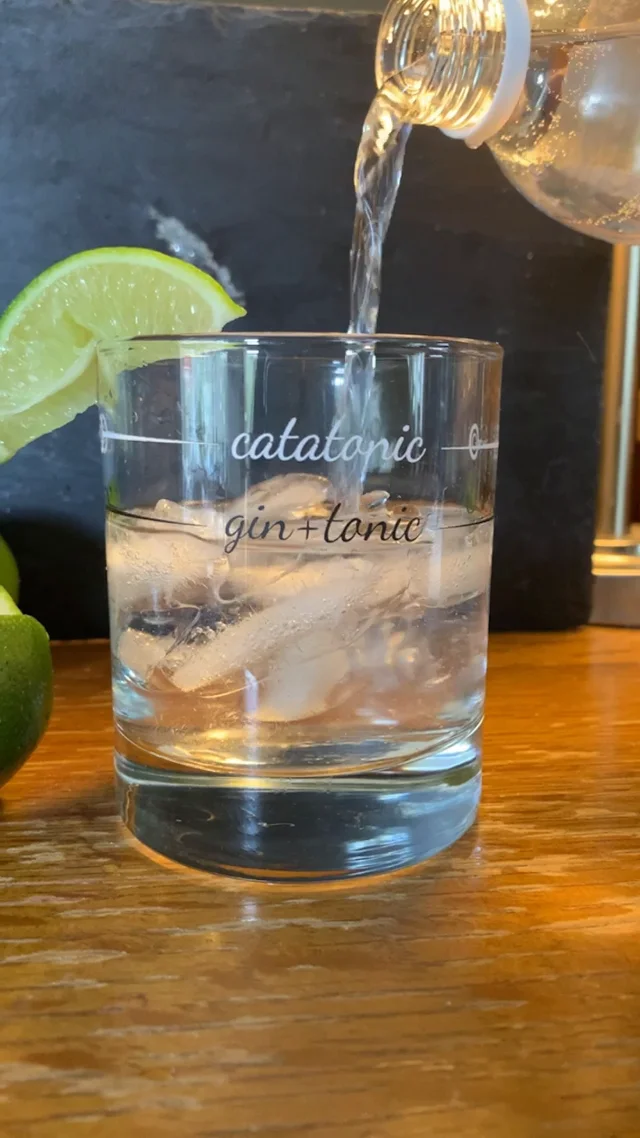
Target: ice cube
{"x": 304, "y": 680}
{"x": 271, "y": 579}
{"x": 383, "y": 579}
{"x": 374, "y": 500}
{"x": 169, "y": 511}
{"x": 274, "y": 585}
{"x": 395, "y": 653}
{"x": 155, "y": 565}
{"x": 455, "y": 566}
{"x": 336, "y": 598}
{"x": 254, "y": 565}
{"x": 289, "y": 495}
{"x": 282, "y": 498}
{"x": 205, "y": 521}
{"x": 140, "y": 652}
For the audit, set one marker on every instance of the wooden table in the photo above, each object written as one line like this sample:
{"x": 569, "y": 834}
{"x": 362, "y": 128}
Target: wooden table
{"x": 495, "y": 993}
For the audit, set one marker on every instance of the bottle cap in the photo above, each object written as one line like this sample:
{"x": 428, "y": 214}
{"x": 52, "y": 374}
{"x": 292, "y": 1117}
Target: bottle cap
{"x": 517, "y": 52}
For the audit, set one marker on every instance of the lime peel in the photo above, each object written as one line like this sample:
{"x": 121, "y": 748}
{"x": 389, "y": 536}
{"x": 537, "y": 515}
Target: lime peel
{"x": 26, "y": 685}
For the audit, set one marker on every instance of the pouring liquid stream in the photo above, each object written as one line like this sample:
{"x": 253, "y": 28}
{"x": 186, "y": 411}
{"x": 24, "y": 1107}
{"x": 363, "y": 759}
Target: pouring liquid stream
{"x": 380, "y": 159}
{"x": 377, "y": 176}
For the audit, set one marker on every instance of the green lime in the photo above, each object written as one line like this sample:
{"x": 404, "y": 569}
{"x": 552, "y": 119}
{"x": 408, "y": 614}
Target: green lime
{"x": 9, "y": 578}
{"x": 26, "y": 684}
{"x": 48, "y": 335}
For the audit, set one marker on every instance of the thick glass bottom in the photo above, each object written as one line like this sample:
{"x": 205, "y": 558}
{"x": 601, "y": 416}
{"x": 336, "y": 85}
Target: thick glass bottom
{"x": 304, "y": 829}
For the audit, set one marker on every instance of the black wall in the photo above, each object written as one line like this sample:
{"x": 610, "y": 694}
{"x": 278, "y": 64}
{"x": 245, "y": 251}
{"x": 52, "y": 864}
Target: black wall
{"x": 243, "y": 125}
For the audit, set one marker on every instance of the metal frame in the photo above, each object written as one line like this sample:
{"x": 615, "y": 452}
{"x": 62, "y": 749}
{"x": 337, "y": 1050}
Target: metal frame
{"x": 616, "y": 558}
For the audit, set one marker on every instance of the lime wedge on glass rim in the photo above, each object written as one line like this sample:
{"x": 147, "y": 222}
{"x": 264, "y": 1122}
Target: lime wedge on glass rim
{"x": 48, "y": 336}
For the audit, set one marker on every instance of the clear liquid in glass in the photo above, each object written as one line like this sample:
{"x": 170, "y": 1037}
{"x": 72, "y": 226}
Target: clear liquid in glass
{"x": 296, "y": 660}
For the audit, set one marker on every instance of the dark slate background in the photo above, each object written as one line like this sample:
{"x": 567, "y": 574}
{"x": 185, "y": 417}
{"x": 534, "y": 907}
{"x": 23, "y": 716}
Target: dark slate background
{"x": 244, "y": 125}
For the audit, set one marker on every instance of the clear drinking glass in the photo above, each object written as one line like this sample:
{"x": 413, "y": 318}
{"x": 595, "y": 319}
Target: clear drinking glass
{"x": 299, "y": 534}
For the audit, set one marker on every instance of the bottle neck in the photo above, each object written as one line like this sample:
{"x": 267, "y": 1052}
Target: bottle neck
{"x": 440, "y": 62}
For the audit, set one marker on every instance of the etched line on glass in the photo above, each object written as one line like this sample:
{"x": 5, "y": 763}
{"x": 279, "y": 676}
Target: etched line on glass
{"x": 474, "y": 445}
{"x": 149, "y": 439}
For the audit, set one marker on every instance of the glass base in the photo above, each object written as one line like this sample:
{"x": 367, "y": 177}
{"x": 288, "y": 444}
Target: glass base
{"x": 304, "y": 829}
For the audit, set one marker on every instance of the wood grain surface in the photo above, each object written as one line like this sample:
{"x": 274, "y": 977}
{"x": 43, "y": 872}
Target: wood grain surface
{"x": 493, "y": 992}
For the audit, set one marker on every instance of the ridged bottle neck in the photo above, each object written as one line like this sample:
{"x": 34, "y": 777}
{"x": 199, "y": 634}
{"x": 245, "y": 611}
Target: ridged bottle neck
{"x": 439, "y": 61}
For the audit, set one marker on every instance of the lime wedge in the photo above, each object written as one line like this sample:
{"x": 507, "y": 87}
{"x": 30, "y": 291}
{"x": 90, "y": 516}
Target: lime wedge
{"x": 9, "y": 577}
{"x": 48, "y": 335}
{"x": 26, "y": 683}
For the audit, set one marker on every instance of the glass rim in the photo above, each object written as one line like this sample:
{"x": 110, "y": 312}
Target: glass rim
{"x": 452, "y": 345}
